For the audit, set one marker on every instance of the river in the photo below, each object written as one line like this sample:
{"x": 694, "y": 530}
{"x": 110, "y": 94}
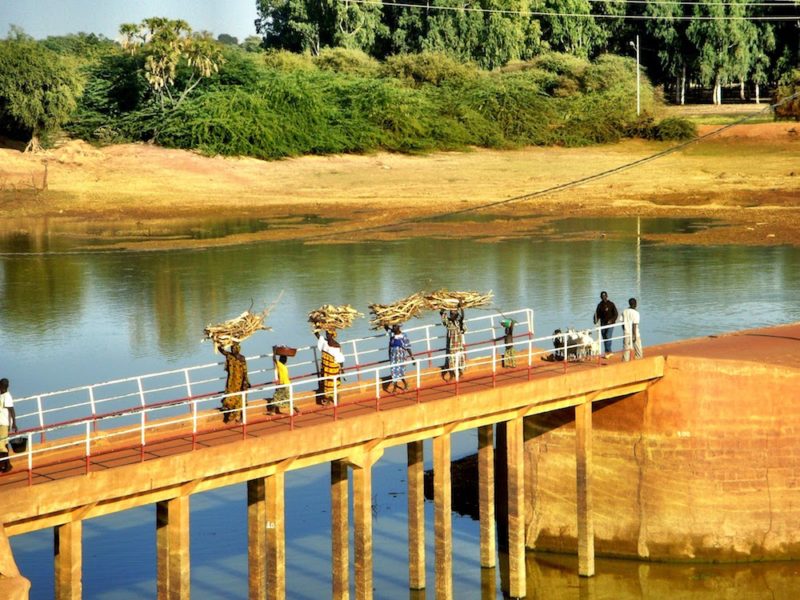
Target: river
{"x": 70, "y": 318}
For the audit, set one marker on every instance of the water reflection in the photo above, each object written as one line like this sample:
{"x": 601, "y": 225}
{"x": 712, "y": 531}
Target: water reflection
{"x": 72, "y": 319}
{"x": 554, "y": 577}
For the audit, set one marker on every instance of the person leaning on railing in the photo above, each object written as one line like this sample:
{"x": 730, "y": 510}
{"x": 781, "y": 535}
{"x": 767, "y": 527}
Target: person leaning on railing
{"x": 8, "y": 418}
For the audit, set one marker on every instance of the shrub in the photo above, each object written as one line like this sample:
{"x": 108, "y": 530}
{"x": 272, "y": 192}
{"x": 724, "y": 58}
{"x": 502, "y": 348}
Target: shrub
{"x": 789, "y": 86}
{"x": 427, "y": 67}
{"x": 344, "y": 60}
{"x": 675, "y": 128}
{"x": 283, "y": 60}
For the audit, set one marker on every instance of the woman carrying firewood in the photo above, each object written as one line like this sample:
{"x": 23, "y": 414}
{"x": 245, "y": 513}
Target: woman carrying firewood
{"x": 453, "y": 320}
{"x": 236, "y": 366}
{"x": 330, "y": 367}
{"x": 399, "y": 353}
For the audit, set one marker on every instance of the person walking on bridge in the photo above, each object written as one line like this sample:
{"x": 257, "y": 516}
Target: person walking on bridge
{"x": 455, "y": 360}
{"x": 236, "y": 366}
{"x": 630, "y": 325}
{"x": 8, "y": 419}
{"x": 331, "y": 367}
{"x": 399, "y": 353}
{"x": 606, "y": 315}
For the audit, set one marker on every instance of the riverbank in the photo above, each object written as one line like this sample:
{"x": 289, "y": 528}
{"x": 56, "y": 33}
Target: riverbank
{"x": 746, "y": 179}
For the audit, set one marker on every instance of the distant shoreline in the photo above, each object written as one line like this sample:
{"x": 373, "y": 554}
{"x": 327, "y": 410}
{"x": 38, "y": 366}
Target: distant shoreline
{"x": 747, "y": 179}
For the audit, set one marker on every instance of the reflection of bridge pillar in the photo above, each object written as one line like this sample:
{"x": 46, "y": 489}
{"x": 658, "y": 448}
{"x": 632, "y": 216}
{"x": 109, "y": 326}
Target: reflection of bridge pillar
{"x": 416, "y": 515}
{"x": 486, "y": 494}
{"x": 583, "y": 455}
{"x": 68, "y": 560}
{"x": 172, "y": 548}
{"x": 516, "y": 507}
{"x": 443, "y": 524}
{"x": 340, "y": 525}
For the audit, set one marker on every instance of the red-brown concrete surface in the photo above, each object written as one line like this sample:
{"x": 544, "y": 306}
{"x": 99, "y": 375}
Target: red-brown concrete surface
{"x": 705, "y": 465}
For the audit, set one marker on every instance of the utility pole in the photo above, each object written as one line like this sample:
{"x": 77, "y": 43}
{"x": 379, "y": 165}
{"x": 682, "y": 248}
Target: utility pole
{"x": 638, "y": 78}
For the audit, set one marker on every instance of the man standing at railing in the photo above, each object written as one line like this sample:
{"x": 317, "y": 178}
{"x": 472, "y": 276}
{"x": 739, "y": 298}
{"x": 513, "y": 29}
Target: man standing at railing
{"x": 630, "y": 325}
{"x": 8, "y": 418}
{"x": 606, "y": 314}
{"x": 455, "y": 360}
{"x": 236, "y": 366}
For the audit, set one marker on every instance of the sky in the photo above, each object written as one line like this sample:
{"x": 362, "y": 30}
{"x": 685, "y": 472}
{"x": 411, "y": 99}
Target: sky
{"x": 41, "y": 18}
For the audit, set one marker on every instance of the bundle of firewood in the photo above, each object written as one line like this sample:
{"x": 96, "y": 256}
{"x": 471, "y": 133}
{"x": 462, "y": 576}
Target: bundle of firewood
{"x": 400, "y": 311}
{"x": 237, "y": 329}
{"x": 329, "y": 317}
{"x": 447, "y": 300}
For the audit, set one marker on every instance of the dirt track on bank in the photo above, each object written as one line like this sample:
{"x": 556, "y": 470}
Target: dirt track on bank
{"x": 747, "y": 178}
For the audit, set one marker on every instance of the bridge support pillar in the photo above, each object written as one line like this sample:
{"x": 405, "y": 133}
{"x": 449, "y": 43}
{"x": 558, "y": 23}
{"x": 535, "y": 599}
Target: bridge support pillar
{"x": 340, "y": 527}
{"x": 276, "y": 536}
{"x": 257, "y": 538}
{"x": 486, "y": 495}
{"x": 362, "y": 536}
{"x": 443, "y": 524}
{"x": 172, "y": 548}
{"x": 416, "y": 515}
{"x": 583, "y": 452}
{"x": 68, "y": 560}
{"x": 266, "y": 555}
{"x": 515, "y": 456}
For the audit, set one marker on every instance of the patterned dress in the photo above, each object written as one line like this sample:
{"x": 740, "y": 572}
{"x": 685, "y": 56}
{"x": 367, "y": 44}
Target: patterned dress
{"x": 332, "y": 359}
{"x": 456, "y": 360}
{"x": 399, "y": 346}
{"x": 281, "y": 396}
{"x": 236, "y": 366}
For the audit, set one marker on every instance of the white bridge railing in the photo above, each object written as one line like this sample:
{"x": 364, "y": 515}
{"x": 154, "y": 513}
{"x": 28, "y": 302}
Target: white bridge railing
{"x": 133, "y": 410}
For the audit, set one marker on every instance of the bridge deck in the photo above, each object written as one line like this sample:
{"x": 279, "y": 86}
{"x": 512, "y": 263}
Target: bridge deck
{"x": 173, "y": 439}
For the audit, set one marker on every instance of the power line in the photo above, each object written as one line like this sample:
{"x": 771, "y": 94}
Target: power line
{"x": 530, "y": 13}
{"x": 552, "y": 189}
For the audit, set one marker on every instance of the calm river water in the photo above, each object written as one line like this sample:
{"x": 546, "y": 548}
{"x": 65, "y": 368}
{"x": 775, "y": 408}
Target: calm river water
{"x": 75, "y": 318}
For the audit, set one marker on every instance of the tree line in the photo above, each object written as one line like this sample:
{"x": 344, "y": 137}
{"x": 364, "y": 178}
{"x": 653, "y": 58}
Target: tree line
{"x": 710, "y": 42}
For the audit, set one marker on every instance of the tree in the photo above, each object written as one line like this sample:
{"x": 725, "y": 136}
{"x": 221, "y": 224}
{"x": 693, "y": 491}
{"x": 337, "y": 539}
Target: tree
{"x": 38, "y": 88}
{"x": 722, "y": 43}
{"x": 675, "y": 53}
{"x": 169, "y": 48}
{"x": 580, "y": 36}
{"x": 227, "y": 40}
{"x": 311, "y": 25}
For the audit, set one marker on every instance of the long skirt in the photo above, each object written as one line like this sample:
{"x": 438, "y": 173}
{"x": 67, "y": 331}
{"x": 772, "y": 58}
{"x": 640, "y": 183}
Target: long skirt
{"x": 330, "y": 370}
{"x": 456, "y": 359}
{"x": 232, "y": 405}
{"x": 398, "y": 356}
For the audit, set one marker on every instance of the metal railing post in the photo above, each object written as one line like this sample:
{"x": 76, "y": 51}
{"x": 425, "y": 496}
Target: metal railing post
{"x": 291, "y": 407}
{"x": 355, "y": 358}
{"x": 428, "y": 345}
{"x": 30, "y": 459}
{"x": 92, "y": 405}
{"x": 142, "y": 440}
{"x": 41, "y": 417}
{"x": 188, "y": 383}
{"x": 530, "y": 358}
{"x": 419, "y": 377}
{"x": 377, "y": 383}
{"x": 88, "y": 449}
{"x": 494, "y": 365}
{"x": 193, "y": 409}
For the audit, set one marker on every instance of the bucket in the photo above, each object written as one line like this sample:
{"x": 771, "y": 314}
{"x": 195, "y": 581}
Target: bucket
{"x": 18, "y": 444}
{"x": 284, "y": 351}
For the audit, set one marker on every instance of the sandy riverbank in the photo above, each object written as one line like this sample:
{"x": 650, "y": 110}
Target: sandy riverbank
{"x": 747, "y": 177}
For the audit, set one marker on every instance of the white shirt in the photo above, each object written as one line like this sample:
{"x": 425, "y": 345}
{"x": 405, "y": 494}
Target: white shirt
{"x": 336, "y": 353}
{"x": 6, "y": 402}
{"x": 630, "y": 317}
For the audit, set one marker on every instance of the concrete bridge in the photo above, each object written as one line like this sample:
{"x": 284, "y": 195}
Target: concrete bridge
{"x": 161, "y": 452}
